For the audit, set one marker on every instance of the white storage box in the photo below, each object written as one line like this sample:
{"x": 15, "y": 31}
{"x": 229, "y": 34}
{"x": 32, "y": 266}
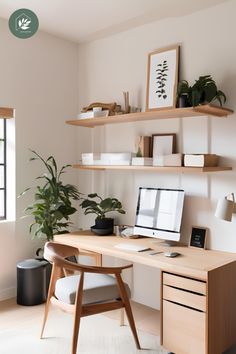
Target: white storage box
{"x": 107, "y": 158}
{"x": 89, "y": 158}
{"x": 116, "y": 158}
{"x": 142, "y": 161}
{"x": 201, "y": 160}
{"x": 168, "y": 160}
{"x": 93, "y": 114}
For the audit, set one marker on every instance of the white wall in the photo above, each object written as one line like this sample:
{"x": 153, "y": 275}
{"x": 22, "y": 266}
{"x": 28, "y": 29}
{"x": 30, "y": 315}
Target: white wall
{"x": 39, "y": 79}
{"x": 118, "y": 63}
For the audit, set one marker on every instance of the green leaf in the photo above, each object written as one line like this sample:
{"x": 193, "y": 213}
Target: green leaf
{"x": 210, "y": 92}
{"x": 106, "y": 203}
{"x": 23, "y": 193}
{"x": 92, "y": 195}
{"x": 88, "y": 203}
{"x": 196, "y": 98}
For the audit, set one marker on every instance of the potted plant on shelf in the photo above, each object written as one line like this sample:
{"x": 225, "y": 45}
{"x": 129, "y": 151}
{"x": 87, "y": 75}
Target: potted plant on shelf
{"x": 183, "y": 94}
{"x": 100, "y": 207}
{"x": 52, "y": 204}
{"x": 204, "y": 91}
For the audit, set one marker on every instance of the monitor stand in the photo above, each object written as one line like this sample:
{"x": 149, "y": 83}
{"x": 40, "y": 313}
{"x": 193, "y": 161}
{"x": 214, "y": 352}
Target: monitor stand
{"x": 166, "y": 243}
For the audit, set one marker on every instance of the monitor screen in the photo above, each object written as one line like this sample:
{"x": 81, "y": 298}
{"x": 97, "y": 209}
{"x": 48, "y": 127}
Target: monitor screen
{"x": 159, "y": 213}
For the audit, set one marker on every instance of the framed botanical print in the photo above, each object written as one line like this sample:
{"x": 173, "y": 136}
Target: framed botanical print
{"x": 162, "y": 78}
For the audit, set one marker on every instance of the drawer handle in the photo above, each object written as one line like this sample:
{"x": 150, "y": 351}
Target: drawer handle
{"x": 188, "y": 307}
{"x": 185, "y": 290}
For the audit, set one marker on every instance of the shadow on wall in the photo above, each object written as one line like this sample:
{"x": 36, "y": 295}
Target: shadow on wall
{"x": 194, "y": 208}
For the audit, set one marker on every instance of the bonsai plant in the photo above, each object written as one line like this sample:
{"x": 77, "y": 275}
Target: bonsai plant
{"x": 100, "y": 207}
{"x": 202, "y": 92}
{"x": 52, "y": 204}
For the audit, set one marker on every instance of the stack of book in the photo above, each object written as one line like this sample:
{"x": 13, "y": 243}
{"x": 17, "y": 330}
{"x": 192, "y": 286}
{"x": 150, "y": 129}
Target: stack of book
{"x": 201, "y": 160}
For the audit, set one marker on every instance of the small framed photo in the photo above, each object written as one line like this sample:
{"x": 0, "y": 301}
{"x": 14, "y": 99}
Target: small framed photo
{"x": 163, "y": 144}
{"x": 162, "y": 78}
{"x": 198, "y": 237}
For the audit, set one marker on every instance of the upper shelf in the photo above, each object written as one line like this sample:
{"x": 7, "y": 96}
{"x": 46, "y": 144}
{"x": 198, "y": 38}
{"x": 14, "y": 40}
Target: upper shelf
{"x": 181, "y": 169}
{"x": 6, "y": 112}
{"x": 203, "y": 110}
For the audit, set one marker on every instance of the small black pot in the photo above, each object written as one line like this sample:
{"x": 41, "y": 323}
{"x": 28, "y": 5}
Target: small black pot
{"x": 103, "y": 226}
{"x": 183, "y": 101}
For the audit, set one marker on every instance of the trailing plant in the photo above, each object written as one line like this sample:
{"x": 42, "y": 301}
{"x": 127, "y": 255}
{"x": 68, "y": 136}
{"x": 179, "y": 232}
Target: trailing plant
{"x": 100, "y": 207}
{"x": 161, "y": 79}
{"x": 203, "y": 91}
{"x": 52, "y": 204}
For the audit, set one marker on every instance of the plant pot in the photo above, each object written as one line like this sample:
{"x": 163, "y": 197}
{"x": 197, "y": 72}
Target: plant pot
{"x": 103, "y": 226}
{"x": 183, "y": 101}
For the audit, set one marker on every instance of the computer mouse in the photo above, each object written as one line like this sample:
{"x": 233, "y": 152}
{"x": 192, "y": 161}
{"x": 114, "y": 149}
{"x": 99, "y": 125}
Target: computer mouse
{"x": 171, "y": 254}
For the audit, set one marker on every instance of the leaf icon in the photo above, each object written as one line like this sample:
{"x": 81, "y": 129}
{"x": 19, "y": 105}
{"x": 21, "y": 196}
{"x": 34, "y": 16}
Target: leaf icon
{"x": 24, "y": 23}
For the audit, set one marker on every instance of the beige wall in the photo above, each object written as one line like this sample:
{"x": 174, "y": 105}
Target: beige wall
{"x": 118, "y": 63}
{"x": 39, "y": 79}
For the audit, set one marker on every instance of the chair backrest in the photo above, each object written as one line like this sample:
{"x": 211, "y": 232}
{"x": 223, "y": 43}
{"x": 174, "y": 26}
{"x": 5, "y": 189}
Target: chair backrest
{"x": 56, "y": 254}
{"x": 52, "y": 250}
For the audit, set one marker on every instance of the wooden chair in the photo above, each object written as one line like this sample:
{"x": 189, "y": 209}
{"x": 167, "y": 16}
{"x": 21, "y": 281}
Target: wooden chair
{"x": 93, "y": 290}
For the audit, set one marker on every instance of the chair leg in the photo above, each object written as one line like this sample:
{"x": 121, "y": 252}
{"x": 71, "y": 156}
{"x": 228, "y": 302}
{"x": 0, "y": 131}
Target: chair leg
{"x": 55, "y": 274}
{"x": 128, "y": 309}
{"x": 77, "y": 315}
{"x": 122, "y": 317}
{"x": 46, "y": 310}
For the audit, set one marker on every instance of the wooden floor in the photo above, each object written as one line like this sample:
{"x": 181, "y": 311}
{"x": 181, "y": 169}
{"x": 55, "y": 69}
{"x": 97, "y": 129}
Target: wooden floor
{"x": 146, "y": 318}
{"x": 11, "y": 314}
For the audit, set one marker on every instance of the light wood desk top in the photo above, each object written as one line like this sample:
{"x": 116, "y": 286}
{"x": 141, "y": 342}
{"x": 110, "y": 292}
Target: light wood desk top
{"x": 192, "y": 262}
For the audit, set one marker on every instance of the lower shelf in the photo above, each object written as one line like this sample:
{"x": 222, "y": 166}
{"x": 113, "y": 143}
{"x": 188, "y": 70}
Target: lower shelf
{"x": 154, "y": 168}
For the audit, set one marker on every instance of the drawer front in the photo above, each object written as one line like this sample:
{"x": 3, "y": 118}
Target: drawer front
{"x": 184, "y": 283}
{"x": 185, "y": 298}
{"x": 183, "y": 329}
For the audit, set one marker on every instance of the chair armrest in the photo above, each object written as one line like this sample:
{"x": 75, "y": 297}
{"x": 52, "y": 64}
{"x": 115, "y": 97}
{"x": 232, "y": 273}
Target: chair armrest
{"x": 63, "y": 263}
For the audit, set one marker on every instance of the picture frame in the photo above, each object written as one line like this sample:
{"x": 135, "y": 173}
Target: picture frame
{"x": 162, "y": 78}
{"x": 198, "y": 237}
{"x": 163, "y": 144}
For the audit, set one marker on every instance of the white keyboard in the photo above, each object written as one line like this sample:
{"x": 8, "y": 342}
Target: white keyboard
{"x": 130, "y": 247}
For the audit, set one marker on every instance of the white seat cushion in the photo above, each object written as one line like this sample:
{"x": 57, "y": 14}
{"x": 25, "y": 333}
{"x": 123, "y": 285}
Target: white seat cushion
{"x": 97, "y": 288}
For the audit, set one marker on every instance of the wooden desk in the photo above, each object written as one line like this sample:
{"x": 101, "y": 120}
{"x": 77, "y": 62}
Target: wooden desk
{"x": 198, "y": 291}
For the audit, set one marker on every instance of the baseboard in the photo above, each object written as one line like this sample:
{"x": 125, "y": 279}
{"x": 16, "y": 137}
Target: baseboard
{"x": 7, "y": 293}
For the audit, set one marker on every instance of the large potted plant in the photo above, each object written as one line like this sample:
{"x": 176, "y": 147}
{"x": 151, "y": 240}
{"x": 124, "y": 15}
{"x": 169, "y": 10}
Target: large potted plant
{"x": 52, "y": 206}
{"x": 203, "y": 91}
{"x": 95, "y": 204}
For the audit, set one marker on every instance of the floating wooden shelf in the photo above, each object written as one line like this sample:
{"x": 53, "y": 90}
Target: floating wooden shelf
{"x": 6, "y": 112}
{"x": 154, "y": 168}
{"x": 204, "y": 110}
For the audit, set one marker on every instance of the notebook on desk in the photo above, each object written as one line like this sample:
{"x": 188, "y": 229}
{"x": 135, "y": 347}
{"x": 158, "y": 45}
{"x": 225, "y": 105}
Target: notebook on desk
{"x": 130, "y": 247}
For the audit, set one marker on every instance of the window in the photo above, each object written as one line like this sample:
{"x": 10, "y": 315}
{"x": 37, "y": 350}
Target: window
{"x": 3, "y": 167}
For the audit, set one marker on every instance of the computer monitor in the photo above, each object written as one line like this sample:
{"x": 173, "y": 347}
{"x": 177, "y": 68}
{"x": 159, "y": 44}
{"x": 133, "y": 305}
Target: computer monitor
{"x": 159, "y": 213}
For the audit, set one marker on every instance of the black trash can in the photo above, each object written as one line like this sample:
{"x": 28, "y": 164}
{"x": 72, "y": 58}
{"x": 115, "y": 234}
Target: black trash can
{"x": 32, "y": 282}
